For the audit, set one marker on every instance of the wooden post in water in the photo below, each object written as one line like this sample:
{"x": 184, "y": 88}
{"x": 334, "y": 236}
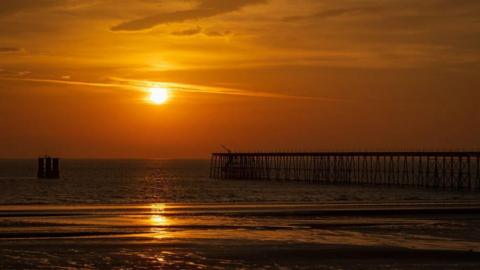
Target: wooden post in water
{"x": 41, "y": 168}
{"x": 48, "y": 168}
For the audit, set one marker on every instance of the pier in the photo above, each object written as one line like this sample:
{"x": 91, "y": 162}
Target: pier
{"x": 443, "y": 170}
{"x": 48, "y": 168}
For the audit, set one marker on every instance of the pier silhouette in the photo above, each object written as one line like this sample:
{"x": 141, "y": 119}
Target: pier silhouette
{"x": 446, "y": 170}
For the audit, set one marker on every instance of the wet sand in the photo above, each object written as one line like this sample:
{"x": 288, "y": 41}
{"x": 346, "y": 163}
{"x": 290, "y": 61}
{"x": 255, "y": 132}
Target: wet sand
{"x": 394, "y": 235}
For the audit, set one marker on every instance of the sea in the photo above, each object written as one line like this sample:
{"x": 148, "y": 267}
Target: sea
{"x": 105, "y": 181}
{"x": 169, "y": 214}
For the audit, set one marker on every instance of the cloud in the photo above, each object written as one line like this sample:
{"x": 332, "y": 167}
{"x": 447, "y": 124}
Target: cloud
{"x": 201, "y": 89}
{"x": 198, "y": 30}
{"x": 188, "y": 32}
{"x": 397, "y": 10}
{"x": 218, "y": 90}
{"x": 141, "y": 85}
{"x": 13, "y": 6}
{"x": 66, "y": 82}
{"x": 24, "y": 73}
{"x": 205, "y": 9}
{"x": 334, "y": 12}
{"x": 9, "y": 49}
{"x": 218, "y": 33}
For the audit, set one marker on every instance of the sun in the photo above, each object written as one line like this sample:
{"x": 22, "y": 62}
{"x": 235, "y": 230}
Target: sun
{"x": 158, "y": 95}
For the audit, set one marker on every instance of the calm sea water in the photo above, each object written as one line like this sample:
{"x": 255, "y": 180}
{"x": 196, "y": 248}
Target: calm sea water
{"x": 178, "y": 181}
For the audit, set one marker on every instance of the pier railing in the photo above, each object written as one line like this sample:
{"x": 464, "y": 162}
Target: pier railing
{"x": 448, "y": 170}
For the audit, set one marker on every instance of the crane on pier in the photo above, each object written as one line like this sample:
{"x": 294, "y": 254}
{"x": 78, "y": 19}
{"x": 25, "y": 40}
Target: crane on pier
{"x": 230, "y": 161}
{"x": 226, "y": 149}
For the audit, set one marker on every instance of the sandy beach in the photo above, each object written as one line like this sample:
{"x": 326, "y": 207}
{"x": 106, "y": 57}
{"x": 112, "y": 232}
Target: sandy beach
{"x": 411, "y": 235}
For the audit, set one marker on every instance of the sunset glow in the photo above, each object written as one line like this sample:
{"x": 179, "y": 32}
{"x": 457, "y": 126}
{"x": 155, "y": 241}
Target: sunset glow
{"x": 303, "y": 74}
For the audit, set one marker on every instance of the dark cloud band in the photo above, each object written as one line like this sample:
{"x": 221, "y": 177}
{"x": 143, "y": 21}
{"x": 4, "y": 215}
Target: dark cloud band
{"x": 206, "y": 9}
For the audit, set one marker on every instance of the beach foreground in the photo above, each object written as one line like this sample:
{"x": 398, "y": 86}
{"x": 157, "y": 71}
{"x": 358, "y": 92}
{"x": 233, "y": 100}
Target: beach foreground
{"x": 395, "y": 235}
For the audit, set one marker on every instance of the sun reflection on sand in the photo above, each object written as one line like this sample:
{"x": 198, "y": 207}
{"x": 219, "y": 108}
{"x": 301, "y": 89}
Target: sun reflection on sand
{"x": 157, "y": 217}
{"x": 158, "y": 207}
{"x": 158, "y": 220}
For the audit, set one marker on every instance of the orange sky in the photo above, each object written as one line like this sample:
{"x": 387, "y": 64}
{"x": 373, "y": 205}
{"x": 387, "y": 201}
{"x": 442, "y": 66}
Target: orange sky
{"x": 251, "y": 74}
